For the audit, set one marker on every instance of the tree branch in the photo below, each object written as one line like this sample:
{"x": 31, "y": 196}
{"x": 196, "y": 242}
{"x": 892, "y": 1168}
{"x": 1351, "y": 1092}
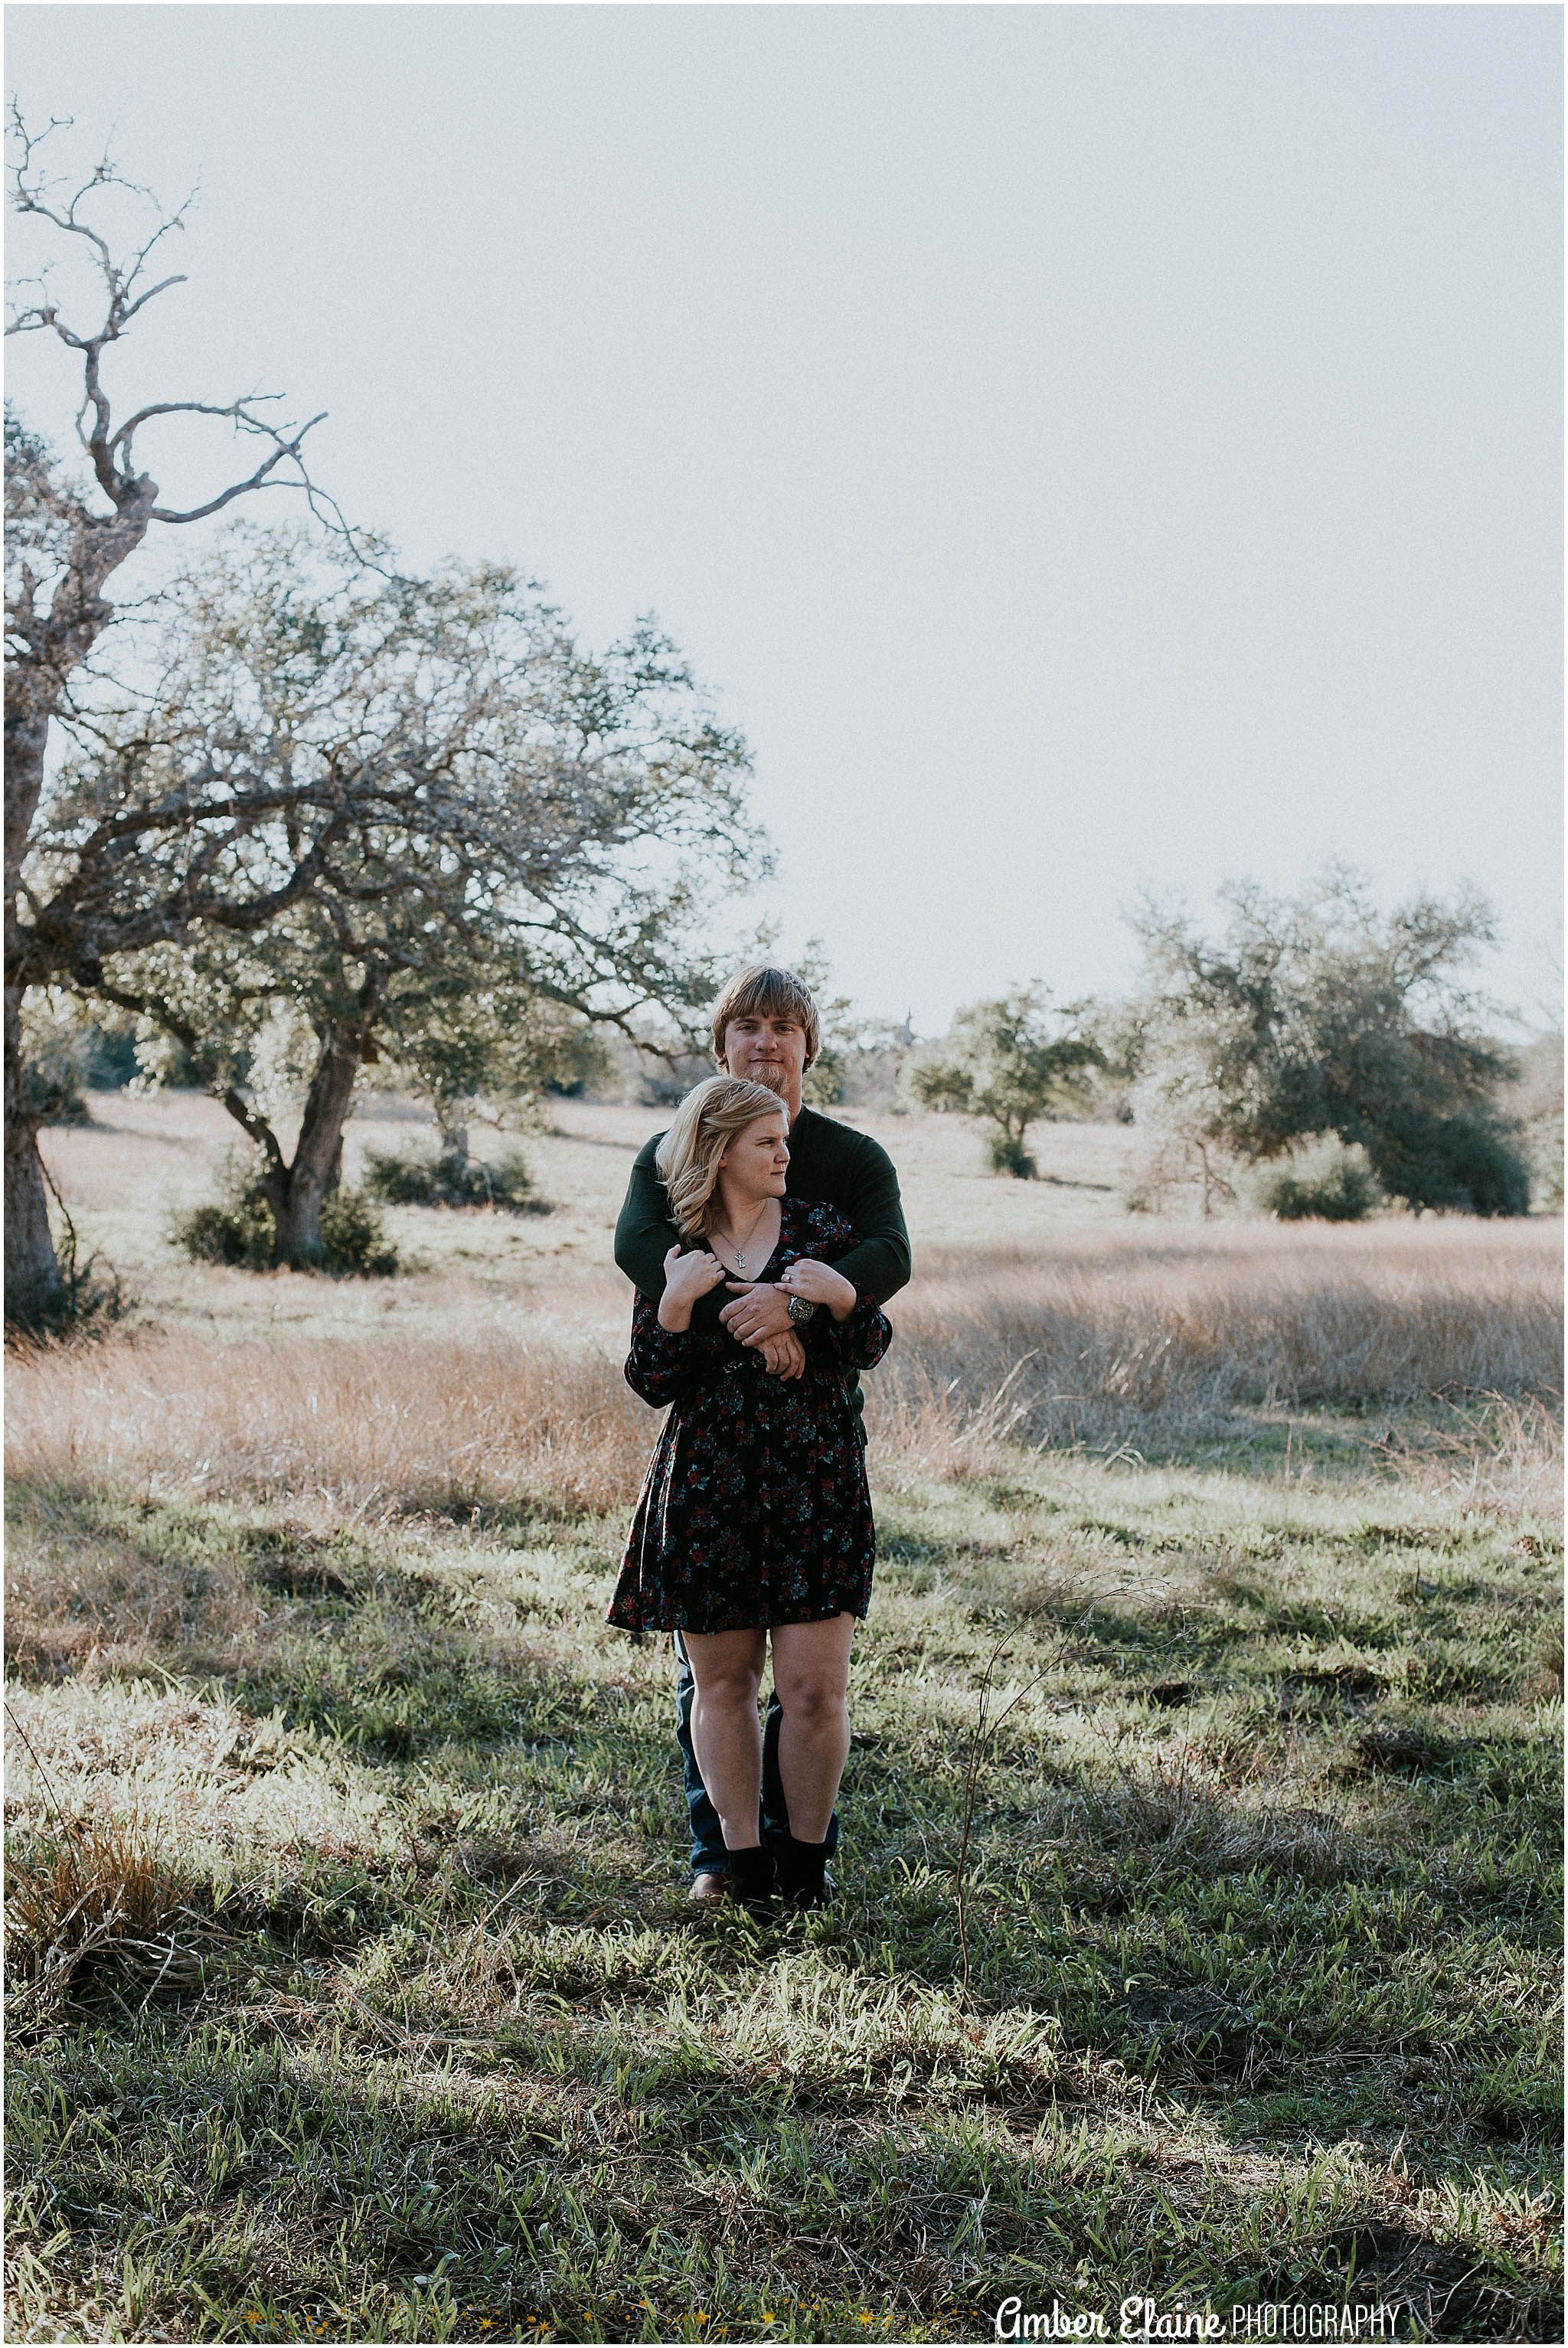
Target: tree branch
{"x": 239, "y": 488}
{"x": 149, "y": 1005}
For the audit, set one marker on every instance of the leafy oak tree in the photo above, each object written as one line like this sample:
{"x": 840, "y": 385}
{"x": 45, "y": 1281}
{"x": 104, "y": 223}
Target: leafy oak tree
{"x": 67, "y": 533}
{"x": 1320, "y": 1014}
{"x": 1009, "y": 1061}
{"x": 384, "y": 815}
{"x": 480, "y": 1051}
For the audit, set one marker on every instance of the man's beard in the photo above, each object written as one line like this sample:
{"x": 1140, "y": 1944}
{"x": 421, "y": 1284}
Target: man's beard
{"x": 770, "y": 1075}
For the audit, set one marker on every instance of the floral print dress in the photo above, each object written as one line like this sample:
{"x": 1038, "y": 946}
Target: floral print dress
{"x": 755, "y": 1509}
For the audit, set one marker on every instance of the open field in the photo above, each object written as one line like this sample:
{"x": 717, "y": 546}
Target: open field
{"x": 399, "y": 2028}
{"x": 142, "y": 1159}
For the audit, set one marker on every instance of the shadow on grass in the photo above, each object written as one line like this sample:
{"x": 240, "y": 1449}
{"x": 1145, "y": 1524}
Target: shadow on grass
{"x": 1238, "y": 1937}
{"x": 232, "y": 2187}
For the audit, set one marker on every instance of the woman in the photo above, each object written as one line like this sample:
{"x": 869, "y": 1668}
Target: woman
{"x": 755, "y": 1520}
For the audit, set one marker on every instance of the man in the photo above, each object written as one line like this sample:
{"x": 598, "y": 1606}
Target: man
{"x": 765, "y": 1027}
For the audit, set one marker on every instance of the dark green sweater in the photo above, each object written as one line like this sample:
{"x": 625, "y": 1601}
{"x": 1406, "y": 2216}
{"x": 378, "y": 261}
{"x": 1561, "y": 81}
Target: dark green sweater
{"x": 828, "y": 1162}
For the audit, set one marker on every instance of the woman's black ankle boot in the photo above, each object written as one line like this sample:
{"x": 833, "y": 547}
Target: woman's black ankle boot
{"x": 800, "y": 1866}
{"x": 751, "y": 1872}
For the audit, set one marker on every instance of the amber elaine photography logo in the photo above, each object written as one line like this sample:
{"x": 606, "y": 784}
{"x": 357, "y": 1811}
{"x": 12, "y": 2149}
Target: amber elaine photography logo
{"x": 1145, "y": 2319}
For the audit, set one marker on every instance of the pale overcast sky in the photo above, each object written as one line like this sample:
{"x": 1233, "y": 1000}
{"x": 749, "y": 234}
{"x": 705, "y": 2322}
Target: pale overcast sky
{"x": 1086, "y": 448}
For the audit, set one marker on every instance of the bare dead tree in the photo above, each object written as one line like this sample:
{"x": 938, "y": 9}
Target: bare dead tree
{"x": 64, "y": 544}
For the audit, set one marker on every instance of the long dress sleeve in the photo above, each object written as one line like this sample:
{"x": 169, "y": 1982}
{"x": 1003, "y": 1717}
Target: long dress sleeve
{"x": 664, "y": 1363}
{"x": 859, "y": 1340}
{"x": 862, "y": 1338}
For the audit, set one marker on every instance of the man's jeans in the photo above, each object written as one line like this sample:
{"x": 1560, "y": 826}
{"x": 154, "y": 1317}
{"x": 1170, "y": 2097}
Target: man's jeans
{"x": 708, "y": 1855}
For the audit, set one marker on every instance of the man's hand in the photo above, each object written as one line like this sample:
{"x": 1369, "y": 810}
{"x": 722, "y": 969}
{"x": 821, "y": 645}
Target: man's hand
{"x": 819, "y": 1283}
{"x": 756, "y": 1312}
{"x": 782, "y": 1357}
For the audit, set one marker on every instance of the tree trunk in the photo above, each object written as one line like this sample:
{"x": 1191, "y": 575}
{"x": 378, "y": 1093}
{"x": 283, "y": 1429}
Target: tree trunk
{"x": 295, "y": 1192}
{"x": 31, "y": 1275}
{"x": 36, "y": 680}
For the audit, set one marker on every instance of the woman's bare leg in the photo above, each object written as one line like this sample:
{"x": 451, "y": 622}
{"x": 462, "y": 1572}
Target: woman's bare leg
{"x": 728, "y": 1669}
{"x": 811, "y": 1673}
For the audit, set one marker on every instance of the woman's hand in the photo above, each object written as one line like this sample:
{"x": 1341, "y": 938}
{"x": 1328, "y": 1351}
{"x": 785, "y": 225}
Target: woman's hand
{"x": 687, "y": 1277}
{"x": 819, "y": 1283}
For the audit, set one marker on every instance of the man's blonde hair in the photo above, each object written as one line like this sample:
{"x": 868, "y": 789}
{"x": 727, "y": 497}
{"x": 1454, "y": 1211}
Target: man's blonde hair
{"x": 702, "y": 1128}
{"x": 764, "y": 993}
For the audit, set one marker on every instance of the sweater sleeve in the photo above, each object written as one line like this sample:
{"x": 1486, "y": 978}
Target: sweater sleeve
{"x": 644, "y": 1234}
{"x": 879, "y": 1261}
{"x": 664, "y": 1363}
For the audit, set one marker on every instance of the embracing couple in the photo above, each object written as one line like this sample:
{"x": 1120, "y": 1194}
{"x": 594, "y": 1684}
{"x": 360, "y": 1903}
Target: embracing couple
{"x": 763, "y": 1239}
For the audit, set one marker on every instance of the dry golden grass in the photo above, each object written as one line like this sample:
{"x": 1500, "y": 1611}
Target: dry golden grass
{"x": 96, "y": 1897}
{"x": 1492, "y": 1455}
{"x": 1152, "y": 1338}
{"x": 360, "y": 1427}
{"x": 1177, "y": 1330}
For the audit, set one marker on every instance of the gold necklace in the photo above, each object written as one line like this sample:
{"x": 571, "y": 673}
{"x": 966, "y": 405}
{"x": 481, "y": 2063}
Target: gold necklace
{"x": 751, "y": 1234}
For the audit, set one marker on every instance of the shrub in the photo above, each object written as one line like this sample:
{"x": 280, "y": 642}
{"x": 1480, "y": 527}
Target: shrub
{"x": 90, "y": 1897}
{"x": 112, "y": 1063}
{"x": 55, "y": 1097}
{"x": 69, "y": 1061}
{"x": 1322, "y": 1180}
{"x": 452, "y": 1180}
{"x": 57, "y": 1049}
{"x": 353, "y": 1238}
{"x": 665, "y": 1083}
{"x": 1008, "y": 1156}
{"x": 238, "y": 1229}
{"x": 1471, "y": 1163}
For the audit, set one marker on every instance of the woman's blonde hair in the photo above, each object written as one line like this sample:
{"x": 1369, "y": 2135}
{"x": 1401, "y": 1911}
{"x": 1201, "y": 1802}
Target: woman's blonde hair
{"x": 702, "y": 1128}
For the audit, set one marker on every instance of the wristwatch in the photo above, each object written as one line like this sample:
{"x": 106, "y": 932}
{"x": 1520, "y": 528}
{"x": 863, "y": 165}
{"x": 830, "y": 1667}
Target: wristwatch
{"x": 800, "y": 1309}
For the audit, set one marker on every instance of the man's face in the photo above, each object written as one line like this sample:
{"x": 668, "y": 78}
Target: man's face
{"x": 771, "y": 1050}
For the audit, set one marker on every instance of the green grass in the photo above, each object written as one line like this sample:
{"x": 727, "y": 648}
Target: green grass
{"x": 1260, "y": 2000}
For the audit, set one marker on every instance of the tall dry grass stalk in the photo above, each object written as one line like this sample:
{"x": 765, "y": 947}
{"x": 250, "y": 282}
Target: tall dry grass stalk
{"x": 1489, "y": 1453}
{"x": 1106, "y": 1335}
{"x": 92, "y": 1896}
{"x": 367, "y": 1426}
{"x": 1129, "y": 1337}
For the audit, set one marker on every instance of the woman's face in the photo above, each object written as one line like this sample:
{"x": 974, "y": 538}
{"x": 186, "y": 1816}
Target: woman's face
{"x": 755, "y": 1160}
